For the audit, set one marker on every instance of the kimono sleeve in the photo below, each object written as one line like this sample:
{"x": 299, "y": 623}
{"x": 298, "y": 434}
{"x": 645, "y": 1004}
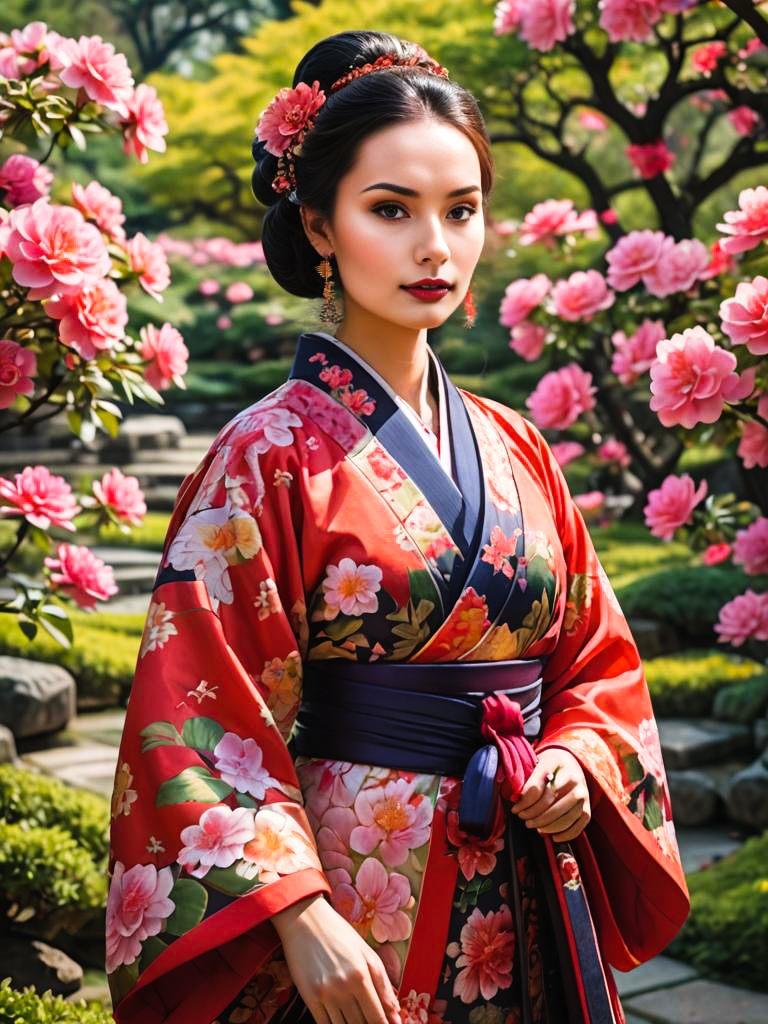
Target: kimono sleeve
{"x": 209, "y": 836}
{"x": 596, "y": 705}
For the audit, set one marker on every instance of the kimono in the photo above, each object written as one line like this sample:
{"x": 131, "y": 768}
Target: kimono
{"x": 323, "y": 527}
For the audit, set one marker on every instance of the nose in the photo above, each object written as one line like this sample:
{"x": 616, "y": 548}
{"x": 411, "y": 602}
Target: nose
{"x": 433, "y": 247}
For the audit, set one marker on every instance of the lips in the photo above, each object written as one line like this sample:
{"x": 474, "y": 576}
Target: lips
{"x": 427, "y": 282}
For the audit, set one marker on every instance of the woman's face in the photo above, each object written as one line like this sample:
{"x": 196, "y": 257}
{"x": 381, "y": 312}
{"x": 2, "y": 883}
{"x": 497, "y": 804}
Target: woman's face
{"x": 396, "y": 222}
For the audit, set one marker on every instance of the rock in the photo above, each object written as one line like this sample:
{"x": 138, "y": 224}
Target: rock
{"x": 694, "y": 797}
{"x": 137, "y": 432}
{"x": 35, "y": 697}
{"x": 653, "y": 638}
{"x": 689, "y": 742}
{"x": 747, "y": 796}
{"x": 760, "y": 734}
{"x": 7, "y": 745}
{"x": 31, "y": 962}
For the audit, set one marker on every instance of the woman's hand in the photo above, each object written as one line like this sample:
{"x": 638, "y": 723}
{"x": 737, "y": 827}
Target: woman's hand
{"x": 561, "y": 808}
{"x": 338, "y": 975}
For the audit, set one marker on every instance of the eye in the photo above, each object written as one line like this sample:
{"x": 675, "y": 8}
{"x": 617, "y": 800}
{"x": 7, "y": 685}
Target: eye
{"x": 387, "y": 206}
{"x": 471, "y": 211}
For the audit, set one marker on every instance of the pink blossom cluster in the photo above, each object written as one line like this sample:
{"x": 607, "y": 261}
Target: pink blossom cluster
{"x": 81, "y": 575}
{"x": 633, "y": 20}
{"x": 744, "y": 120}
{"x": 566, "y": 451}
{"x": 561, "y": 396}
{"x": 582, "y": 295}
{"x": 662, "y": 264}
{"x": 528, "y": 340}
{"x": 753, "y": 444}
{"x": 17, "y": 368}
{"x": 671, "y": 505}
{"x": 552, "y": 218}
{"x": 541, "y": 23}
{"x": 744, "y": 618}
{"x": 521, "y": 297}
{"x": 747, "y": 226}
{"x": 24, "y": 180}
{"x": 750, "y": 548}
{"x": 634, "y": 354}
{"x": 614, "y": 451}
{"x": 651, "y": 158}
{"x": 166, "y": 355}
{"x": 705, "y": 58}
{"x": 745, "y": 317}
{"x": 122, "y": 494}
{"x": 202, "y": 251}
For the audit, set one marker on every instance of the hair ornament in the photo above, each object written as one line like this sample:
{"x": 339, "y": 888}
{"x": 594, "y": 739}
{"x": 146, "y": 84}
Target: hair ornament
{"x": 284, "y": 124}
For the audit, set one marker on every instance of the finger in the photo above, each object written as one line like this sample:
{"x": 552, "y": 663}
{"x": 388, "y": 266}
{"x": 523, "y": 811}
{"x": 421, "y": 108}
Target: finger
{"x": 384, "y": 988}
{"x": 565, "y": 801}
{"x": 355, "y": 1014}
{"x": 369, "y": 1005}
{"x": 575, "y": 830}
{"x": 332, "y": 1013}
{"x": 533, "y": 790}
{"x": 565, "y": 821}
{"x": 545, "y": 801}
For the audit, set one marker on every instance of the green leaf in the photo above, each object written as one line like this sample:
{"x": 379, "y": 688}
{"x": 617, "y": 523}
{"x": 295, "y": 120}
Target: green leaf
{"x": 192, "y": 785}
{"x": 227, "y": 880}
{"x": 151, "y": 950}
{"x": 77, "y": 137}
{"x": 201, "y": 733}
{"x": 29, "y": 629}
{"x": 61, "y": 636}
{"x": 342, "y": 627}
{"x": 111, "y": 422}
{"x": 191, "y": 899}
{"x": 652, "y": 818}
{"x": 635, "y": 770}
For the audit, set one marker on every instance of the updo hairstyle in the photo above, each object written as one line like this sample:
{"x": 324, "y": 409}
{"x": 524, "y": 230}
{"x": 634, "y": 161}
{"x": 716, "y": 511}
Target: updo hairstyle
{"x": 359, "y": 108}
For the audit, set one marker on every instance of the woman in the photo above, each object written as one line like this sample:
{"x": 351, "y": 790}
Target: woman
{"x": 389, "y": 754}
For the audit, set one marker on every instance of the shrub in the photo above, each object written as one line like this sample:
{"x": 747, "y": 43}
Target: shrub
{"x": 726, "y": 934}
{"x": 686, "y": 683}
{"x": 743, "y": 702}
{"x": 150, "y": 534}
{"x": 689, "y": 599}
{"x": 27, "y": 1007}
{"x": 30, "y": 799}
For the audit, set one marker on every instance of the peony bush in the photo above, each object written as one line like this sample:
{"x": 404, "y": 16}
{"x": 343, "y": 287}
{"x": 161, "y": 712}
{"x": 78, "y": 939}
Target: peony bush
{"x": 66, "y": 266}
{"x": 652, "y": 338}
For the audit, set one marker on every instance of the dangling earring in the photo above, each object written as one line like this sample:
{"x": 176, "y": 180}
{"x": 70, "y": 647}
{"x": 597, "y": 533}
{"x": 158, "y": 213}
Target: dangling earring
{"x": 329, "y": 312}
{"x": 469, "y": 309}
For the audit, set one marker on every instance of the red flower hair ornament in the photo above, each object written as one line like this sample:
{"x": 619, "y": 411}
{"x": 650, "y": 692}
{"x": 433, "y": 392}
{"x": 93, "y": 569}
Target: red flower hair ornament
{"x": 284, "y": 124}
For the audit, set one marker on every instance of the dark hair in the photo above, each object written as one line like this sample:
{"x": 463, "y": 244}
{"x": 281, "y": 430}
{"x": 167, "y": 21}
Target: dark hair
{"x": 356, "y": 110}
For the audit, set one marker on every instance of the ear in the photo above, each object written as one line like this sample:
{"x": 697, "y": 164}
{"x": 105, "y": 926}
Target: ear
{"x": 317, "y": 230}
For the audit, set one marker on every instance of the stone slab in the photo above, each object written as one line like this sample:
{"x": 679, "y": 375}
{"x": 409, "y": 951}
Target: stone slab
{"x": 116, "y": 555}
{"x": 97, "y": 721}
{"x": 688, "y": 742}
{"x": 700, "y": 847}
{"x": 128, "y": 604}
{"x": 661, "y": 972}
{"x": 68, "y": 758}
{"x": 701, "y": 1002}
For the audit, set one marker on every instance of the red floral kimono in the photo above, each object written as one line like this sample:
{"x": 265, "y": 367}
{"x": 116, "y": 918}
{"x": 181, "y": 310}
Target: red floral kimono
{"x": 320, "y": 526}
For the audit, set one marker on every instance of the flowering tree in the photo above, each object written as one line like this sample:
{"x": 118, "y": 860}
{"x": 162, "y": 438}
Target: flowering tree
{"x": 657, "y": 340}
{"x": 64, "y": 345}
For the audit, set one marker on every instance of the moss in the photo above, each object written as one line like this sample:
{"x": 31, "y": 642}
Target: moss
{"x": 743, "y": 702}
{"x": 726, "y": 934}
{"x": 27, "y": 1007}
{"x": 31, "y": 799}
{"x": 685, "y": 684}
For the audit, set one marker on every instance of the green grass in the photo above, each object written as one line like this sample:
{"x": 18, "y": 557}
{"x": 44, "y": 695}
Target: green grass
{"x": 685, "y": 684}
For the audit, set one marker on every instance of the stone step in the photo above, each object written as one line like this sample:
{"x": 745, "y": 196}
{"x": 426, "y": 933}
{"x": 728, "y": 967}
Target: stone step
{"x": 661, "y": 972}
{"x": 700, "y": 794}
{"x": 700, "y": 1002}
{"x": 137, "y": 579}
{"x": 689, "y": 742}
{"x": 88, "y": 766}
{"x": 160, "y": 497}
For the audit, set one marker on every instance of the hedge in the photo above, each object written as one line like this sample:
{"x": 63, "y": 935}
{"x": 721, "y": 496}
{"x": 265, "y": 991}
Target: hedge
{"x": 27, "y": 1007}
{"x": 685, "y": 684}
{"x": 742, "y": 703}
{"x": 32, "y": 799}
{"x": 726, "y": 934}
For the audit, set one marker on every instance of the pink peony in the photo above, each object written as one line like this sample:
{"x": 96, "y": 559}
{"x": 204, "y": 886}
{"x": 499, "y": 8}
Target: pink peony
{"x": 137, "y": 907}
{"x": 98, "y": 204}
{"x": 122, "y": 494}
{"x": 715, "y": 554}
{"x": 582, "y": 295}
{"x": 753, "y": 446}
{"x": 209, "y": 286}
{"x": 239, "y": 291}
{"x": 92, "y": 320}
{"x": 393, "y": 819}
{"x": 506, "y": 16}
{"x": 748, "y": 225}
{"x": 719, "y": 262}
{"x": 634, "y": 355}
{"x": 25, "y": 50}
{"x": 592, "y": 121}
{"x": 167, "y": 355}
{"x": 750, "y": 548}
{"x": 672, "y": 504}
{"x": 149, "y": 261}
{"x": 240, "y": 763}
{"x": 651, "y": 159}
{"x": 705, "y": 58}
{"x": 146, "y": 125}
{"x": 743, "y": 119}
{"x": 626, "y": 20}
{"x": 546, "y": 22}
{"x": 692, "y": 378}
{"x": 528, "y": 340}
{"x": 43, "y": 499}
{"x": 103, "y": 74}
{"x": 487, "y": 958}
{"x": 17, "y": 368}
{"x": 566, "y": 451}
{"x": 745, "y": 317}
{"x": 743, "y": 618}
{"x": 679, "y": 267}
{"x": 554, "y": 217}
{"x": 373, "y": 904}
{"x": 84, "y": 577}
{"x": 24, "y": 179}
{"x": 54, "y": 251}
{"x": 521, "y": 297}
{"x": 287, "y": 114}
{"x": 590, "y": 502}
{"x": 561, "y": 396}
{"x": 614, "y": 451}
{"x": 635, "y": 256}
{"x": 217, "y": 841}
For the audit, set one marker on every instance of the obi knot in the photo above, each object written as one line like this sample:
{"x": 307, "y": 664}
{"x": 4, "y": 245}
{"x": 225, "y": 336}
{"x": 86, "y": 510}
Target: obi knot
{"x": 506, "y": 761}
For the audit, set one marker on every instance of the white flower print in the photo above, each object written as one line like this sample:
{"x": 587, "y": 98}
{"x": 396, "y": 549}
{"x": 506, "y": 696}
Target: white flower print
{"x": 157, "y": 628}
{"x": 350, "y": 588}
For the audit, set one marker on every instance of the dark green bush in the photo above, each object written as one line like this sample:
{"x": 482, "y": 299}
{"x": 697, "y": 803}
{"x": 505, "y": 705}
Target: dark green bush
{"x": 686, "y": 683}
{"x": 743, "y": 702}
{"x": 689, "y": 599}
{"x": 726, "y": 935}
{"x": 30, "y": 799}
{"x": 45, "y": 874}
{"x": 27, "y": 1007}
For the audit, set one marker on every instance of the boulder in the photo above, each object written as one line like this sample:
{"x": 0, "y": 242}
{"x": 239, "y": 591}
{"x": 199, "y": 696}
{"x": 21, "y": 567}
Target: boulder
{"x": 653, "y": 638}
{"x": 7, "y": 745}
{"x": 35, "y": 697}
{"x": 694, "y": 797}
{"x": 747, "y": 795}
{"x": 31, "y": 962}
{"x": 690, "y": 742}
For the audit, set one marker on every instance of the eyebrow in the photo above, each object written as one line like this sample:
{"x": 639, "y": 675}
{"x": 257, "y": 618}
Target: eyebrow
{"x": 412, "y": 192}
